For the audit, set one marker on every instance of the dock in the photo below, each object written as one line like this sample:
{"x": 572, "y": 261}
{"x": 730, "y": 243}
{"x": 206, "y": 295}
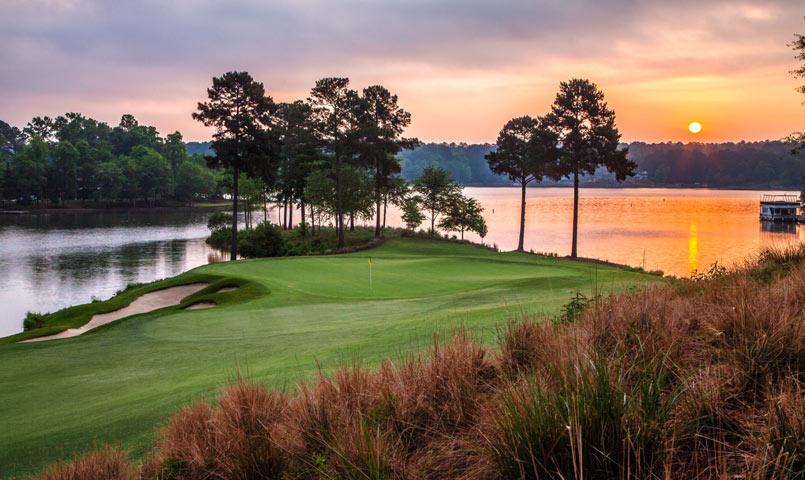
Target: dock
{"x": 783, "y": 208}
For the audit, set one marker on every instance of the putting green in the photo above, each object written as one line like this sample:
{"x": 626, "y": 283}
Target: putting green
{"x": 117, "y": 383}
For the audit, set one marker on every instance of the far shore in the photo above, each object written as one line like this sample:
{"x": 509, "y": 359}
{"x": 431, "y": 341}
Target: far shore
{"x": 203, "y": 207}
{"x": 225, "y": 205}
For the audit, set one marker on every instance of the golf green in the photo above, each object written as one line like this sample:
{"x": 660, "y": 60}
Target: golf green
{"x": 291, "y": 316}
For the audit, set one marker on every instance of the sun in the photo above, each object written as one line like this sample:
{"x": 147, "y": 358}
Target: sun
{"x": 695, "y": 127}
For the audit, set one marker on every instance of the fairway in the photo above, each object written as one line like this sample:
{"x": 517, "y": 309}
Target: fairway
{"x": 118, "y": 383}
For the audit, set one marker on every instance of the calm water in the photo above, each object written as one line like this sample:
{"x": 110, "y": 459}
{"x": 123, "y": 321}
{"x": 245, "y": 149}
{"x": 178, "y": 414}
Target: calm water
{"x": 678, "y": 231}
{"x": 52, "y": 261}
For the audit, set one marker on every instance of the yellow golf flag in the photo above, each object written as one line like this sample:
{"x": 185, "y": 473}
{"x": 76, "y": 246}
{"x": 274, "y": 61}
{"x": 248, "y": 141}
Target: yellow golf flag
{"x": 370, "y": 261}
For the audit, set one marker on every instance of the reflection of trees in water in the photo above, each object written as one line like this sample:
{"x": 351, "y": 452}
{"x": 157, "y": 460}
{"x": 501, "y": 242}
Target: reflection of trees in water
{"x": 217, "y": 256}
{"x": 108, "y": 267}
{"x": 176, "y": 251}
{"x": 83, "y": 220}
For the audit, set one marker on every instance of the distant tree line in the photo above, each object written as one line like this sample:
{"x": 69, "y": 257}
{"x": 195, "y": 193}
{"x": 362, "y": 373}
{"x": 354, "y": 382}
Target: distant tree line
{"x": 766, "y": 164}
{"x": 52, "y": 161}
{"x": 769, "y": 164}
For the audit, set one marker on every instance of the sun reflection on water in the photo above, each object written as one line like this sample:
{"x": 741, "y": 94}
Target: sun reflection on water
{"x": 693, "y": 249}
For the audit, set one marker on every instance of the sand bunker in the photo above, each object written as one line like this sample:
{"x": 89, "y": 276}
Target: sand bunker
{"x": 227, "y": 289}
{"x": 145, "y": 303}
{"x": 201, "y": 305}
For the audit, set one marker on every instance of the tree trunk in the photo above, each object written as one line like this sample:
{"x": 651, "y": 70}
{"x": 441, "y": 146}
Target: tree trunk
{"x": 432, "y": 221}
{"x": 233, "y": 252}
{"x": 573, "y": 250}
{"x": 522, "y": 216}
{"x": 285, "y": 214}
{"x": 304, "y": 225}
{"x": 351, "y": 222}
{"x": 339, "y": 224}
{"x": 290, "y": 215}
{"x": 385, "y": 206}
{"x": 377, "y": 199}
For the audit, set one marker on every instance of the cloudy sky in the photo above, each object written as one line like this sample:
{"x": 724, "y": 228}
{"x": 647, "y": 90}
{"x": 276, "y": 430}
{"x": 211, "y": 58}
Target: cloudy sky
{"x": 461, "y": 67}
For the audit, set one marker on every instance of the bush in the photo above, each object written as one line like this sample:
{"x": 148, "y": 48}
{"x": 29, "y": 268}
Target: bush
{"x": 219, "y": 221}
{"x": 264, "y": 240}
{"x": 34, "y": 320}
{"x": 220, "y": 239}
{"x": 572, "y": 310}
{"x": 237, "y": 438}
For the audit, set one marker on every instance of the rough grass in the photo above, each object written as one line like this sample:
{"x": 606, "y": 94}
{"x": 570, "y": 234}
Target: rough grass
{"x": 701, "y": 379}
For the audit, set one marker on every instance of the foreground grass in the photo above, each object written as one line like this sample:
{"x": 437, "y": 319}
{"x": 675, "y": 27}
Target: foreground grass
{"x": 698, "y": 379}
{"x": 118, "y": 383}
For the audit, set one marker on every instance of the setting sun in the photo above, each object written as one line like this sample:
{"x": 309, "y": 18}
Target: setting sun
{"x": 695, "y": 127}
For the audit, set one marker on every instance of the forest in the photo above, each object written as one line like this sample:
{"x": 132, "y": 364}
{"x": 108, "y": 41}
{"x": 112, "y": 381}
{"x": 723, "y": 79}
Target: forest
{"x": 73, "y": 159}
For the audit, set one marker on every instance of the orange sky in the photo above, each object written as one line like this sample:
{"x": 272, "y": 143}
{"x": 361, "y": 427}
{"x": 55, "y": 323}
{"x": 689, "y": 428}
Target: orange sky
{"x": 461, "y": 67}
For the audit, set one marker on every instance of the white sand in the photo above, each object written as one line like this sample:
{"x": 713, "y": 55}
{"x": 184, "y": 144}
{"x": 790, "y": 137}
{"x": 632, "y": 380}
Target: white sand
{"x": 145, "y": 303}
{"x": 227, "y": 289}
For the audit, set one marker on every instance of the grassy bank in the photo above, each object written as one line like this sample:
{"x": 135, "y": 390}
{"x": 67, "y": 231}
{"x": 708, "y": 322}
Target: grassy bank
{"x": 695, "y": 379}
{"x": 117, "y": 384}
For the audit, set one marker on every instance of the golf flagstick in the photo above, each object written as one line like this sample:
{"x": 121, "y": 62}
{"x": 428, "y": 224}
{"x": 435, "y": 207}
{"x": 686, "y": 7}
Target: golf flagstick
{"x": 370, "y": 273}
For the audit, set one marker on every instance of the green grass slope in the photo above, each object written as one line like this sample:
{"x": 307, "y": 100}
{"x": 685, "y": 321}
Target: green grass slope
{"x": 115, "y": 384}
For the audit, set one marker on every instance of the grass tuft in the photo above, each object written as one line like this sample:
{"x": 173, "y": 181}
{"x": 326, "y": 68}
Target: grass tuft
{"x": 104, "y": 464}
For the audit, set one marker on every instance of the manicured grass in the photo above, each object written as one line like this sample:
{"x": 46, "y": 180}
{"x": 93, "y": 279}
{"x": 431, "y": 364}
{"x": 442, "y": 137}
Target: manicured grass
{"x": 292, "y": 313}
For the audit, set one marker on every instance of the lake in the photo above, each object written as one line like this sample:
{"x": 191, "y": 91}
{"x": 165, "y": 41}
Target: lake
{"x": 51, "y": 261}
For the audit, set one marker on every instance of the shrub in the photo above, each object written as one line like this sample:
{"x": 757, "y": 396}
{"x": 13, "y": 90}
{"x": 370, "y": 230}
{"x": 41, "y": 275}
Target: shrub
{"x": 412, "y": 216}
{"x": 220, "y": 239}
{"x": 238, "y": 438}
{"x": 219, "y": 221}
{"x": 104, "y": 464}
{"x": 527, "y": 345}
{"x": 572, "y": 310}
{"x": 34, "y": 320}
{"x": 588, "y": 421}
{"x": 264, "y": 240}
